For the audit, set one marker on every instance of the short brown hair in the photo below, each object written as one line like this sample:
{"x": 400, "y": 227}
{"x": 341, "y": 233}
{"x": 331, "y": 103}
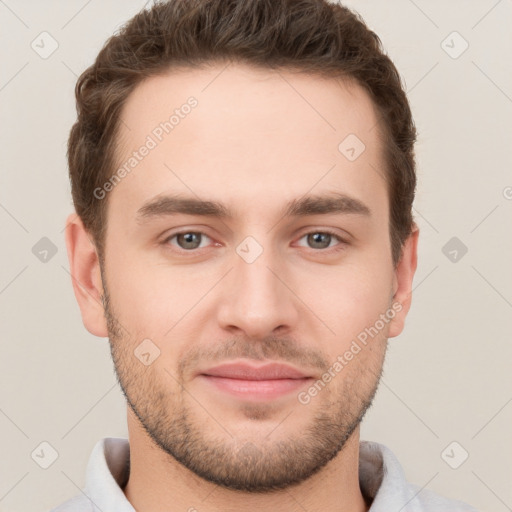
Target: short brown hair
{"x": 313, "y": 36}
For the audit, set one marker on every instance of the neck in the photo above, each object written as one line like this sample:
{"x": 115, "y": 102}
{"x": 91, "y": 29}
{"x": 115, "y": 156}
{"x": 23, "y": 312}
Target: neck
{"x": 158, "y": 482}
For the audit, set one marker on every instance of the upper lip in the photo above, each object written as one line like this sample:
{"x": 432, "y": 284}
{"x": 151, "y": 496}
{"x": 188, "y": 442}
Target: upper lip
{"x": 245, "y": 371}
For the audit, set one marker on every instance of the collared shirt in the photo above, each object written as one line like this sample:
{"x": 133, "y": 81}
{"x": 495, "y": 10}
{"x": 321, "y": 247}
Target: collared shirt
{"x": 381, "y": 480}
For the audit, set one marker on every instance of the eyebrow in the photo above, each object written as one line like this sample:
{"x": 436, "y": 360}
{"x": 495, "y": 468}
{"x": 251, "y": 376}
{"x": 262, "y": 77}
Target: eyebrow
{"x": 337, "y": 203}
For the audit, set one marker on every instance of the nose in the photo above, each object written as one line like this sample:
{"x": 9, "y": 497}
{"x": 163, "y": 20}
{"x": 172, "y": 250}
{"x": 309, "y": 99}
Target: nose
{"x": 257, "y": 300}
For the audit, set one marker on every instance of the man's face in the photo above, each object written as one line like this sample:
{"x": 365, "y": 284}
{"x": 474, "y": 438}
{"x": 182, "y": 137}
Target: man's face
{"x": 258, "y": 285}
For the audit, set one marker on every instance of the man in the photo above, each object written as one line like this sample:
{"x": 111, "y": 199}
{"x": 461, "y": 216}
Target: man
{"x": 243, "y": 177}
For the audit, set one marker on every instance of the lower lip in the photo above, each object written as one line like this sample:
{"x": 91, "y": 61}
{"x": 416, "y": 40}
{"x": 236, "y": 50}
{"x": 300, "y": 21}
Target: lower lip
{"x": 256, "y": 389}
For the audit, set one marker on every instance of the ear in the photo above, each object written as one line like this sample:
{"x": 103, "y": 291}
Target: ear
{"x": 85, "y": 275}
{"x": 402, "y": 282}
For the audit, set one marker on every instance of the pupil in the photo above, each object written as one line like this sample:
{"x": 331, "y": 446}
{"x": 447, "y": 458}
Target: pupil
{"x": 190, "y": 243}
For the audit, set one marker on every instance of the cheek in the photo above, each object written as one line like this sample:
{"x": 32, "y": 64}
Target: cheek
{"x": 349, "y": 299}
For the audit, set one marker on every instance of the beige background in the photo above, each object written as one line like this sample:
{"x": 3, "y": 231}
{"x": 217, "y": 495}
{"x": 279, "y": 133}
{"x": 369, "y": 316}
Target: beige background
{"x": 447, "y": 377}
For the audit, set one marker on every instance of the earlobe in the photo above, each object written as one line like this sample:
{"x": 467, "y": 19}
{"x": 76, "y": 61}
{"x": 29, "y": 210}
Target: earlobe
{"x": 402, "y": 282}
{"x": 85, "y": 276}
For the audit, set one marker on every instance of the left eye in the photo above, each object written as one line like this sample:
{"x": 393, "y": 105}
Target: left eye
{"x": 321, "y": 239}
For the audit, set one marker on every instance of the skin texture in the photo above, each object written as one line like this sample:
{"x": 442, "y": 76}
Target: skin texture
{"x": 256, "y": 140}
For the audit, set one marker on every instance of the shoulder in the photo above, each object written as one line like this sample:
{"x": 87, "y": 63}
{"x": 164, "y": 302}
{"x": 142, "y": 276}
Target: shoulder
{"x": 382, "y": 479}
{"x": 79, "y": 503}
{"x": 428, "y": 501}
{"x": 107, "y": 471}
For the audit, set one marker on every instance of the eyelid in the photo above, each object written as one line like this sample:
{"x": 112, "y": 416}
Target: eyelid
{"x": 343, "y": 241}
{"x": 330, "y": 231}
{"x": 168, "y": 237}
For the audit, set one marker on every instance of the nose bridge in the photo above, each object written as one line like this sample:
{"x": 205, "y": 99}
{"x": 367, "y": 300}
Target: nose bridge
{"x": 256, "y": 300}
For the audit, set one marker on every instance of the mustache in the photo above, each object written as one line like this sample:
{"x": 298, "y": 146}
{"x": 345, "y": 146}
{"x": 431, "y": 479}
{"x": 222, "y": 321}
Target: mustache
{"x": 282, "y": 349}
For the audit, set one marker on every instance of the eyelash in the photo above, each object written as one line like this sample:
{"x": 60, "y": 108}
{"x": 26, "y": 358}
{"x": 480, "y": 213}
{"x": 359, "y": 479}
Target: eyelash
{"x": 335, "y": 249}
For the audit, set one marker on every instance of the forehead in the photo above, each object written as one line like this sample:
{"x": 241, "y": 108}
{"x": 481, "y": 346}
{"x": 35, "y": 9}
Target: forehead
{"x": 243, "y": 132}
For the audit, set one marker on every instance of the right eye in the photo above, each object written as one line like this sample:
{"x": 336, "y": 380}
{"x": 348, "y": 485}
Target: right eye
{"x": 187, "y": 240}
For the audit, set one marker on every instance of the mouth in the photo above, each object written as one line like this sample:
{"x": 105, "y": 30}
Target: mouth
{"x": 259, "y": 383}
